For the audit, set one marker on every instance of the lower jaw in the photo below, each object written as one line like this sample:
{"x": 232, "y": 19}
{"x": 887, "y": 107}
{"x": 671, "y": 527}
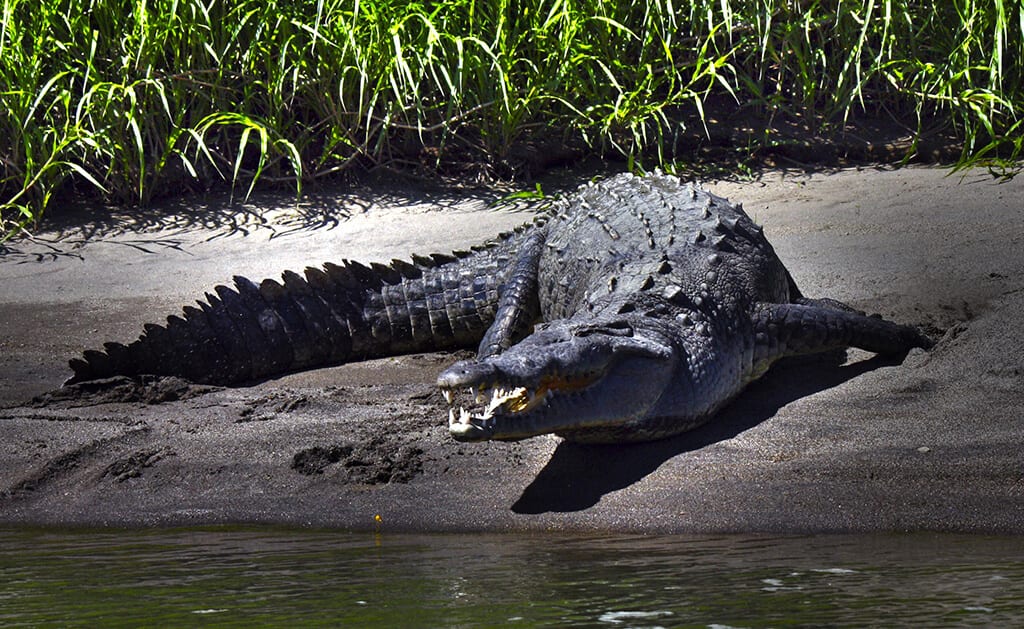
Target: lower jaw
{"x": 496, "y": 429}
{"x": 469, "y": 432}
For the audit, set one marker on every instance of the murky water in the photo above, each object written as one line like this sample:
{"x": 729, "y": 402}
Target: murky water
{"x": 227, "y": 577}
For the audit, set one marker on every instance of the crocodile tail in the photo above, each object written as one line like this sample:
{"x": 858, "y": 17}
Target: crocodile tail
{"x": 340, "y": 313}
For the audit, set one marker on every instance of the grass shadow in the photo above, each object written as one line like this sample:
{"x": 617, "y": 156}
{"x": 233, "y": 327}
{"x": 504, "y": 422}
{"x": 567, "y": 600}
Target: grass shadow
{"x": 578, "y": 475}
{"x": 271, "y": 214}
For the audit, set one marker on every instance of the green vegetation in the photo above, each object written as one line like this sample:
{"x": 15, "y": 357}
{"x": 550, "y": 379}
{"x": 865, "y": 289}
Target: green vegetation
{"x": 134, "y": 97}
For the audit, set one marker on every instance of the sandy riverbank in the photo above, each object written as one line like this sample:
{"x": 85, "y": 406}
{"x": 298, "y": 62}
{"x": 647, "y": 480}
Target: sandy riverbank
{"x": 932, "y": 443}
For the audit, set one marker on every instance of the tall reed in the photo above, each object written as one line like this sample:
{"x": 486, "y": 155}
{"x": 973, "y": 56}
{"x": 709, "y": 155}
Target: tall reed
{"x": 131, "y": 97}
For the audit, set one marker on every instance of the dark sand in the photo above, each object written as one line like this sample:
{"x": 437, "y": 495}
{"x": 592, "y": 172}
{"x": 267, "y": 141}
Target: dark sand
{"x": 930, "y": 442}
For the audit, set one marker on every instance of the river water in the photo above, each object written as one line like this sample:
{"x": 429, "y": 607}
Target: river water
{"x": 250, "y": 576}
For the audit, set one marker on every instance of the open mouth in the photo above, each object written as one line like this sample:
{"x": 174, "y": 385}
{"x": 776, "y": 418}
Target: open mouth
{"x": 489, "y": 403}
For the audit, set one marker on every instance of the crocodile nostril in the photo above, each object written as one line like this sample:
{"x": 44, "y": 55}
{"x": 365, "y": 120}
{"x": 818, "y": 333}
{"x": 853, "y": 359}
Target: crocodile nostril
{"x": 465, "y": 373}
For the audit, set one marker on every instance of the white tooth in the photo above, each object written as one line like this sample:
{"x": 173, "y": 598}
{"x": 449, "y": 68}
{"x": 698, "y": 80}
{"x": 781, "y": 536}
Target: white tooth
{"x": 448, "y": 395}
{"x": 463, "y": 415}
{"x": 495, "y": 403}
{"x": 451, "y": 417}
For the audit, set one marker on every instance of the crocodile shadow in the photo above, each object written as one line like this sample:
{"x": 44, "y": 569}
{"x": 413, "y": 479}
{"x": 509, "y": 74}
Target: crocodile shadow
{"x": 578, "y": 475}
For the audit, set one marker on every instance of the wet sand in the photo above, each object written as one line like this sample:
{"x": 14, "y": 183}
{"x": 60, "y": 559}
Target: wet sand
{"x": 929, "y": 442}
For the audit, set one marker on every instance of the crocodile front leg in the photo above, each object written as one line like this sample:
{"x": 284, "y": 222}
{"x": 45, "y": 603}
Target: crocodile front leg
{"x": 519, "y": 307}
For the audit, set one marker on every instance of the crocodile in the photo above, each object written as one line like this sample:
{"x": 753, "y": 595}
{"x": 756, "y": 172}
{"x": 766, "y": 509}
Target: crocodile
{"x": 630, "y": 310}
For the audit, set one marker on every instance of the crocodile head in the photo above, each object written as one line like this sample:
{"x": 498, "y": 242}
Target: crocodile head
{"x": 565, "y": 377}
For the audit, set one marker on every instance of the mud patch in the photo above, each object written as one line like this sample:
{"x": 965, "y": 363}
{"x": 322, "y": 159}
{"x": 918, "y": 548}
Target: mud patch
{"x": 314, "y": 460}
{"x": 271, "y": 405}
{"x": 375, "y": 463}
{"x": 122, "y": 389}
{"x": 133, "y": 465}
{"x": 54, "y": 468}
{"x": 64, "y": 465}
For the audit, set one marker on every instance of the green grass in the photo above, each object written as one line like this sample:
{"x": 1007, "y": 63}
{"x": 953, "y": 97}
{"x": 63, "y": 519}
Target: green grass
{"x": 133, "y": 98}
